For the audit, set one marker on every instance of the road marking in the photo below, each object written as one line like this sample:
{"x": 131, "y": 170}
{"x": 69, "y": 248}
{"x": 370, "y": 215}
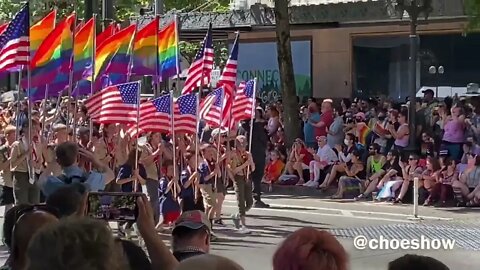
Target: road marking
{"x": 325, "y": 214}
{"x": 352, "y": 212}
{"x": 347, "y": 213}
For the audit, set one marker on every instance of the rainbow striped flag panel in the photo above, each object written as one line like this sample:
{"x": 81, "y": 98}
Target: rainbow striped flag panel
{"x": 145, "y": 53}
{"x": 54, "y": 54}
{"x": 40, "y": 30}
{"x": 169, "y": 64}
{"x": 113, "y": 55}
{"x": 83, "y": 51}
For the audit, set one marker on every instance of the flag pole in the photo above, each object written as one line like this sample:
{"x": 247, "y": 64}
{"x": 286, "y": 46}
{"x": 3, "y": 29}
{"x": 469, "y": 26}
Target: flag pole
{"x": 70, "y": 76}
{"x": 92, "y": 84}
{"x": 252, "y": 119}
{"x": 197, "y": 146}
{"x": 156, "y": 77}
{"x": 137, "y": 134}
{"x": 44, "y": 107}
{"x": 57, "y": 111}
{"x": 17, "y": 113}
{"x": 174, "y": 152}
{"x": 177, "y": 67}
{"x": 130, "y": 61}
{"x": 31, "y": 172}
{"x": 222, "y": 96}
{"x": 230, "y": 123}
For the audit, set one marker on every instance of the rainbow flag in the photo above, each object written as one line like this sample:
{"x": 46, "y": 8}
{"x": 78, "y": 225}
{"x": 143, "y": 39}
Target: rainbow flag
{"x": 83, "y": 51}
{"x": 54, "y": 54}
{"x": 113, "y": 55}
{"x": 145, "y": 51}
{"x": 168, "y": 51}
{"x": 40, "y": 30}
{"x": 363, "y": 132}
{"x": 108, "y": 32}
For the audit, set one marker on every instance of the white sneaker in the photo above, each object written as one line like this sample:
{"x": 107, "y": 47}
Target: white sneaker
{"x": 311, "y": 183}
{"x": 244, "y": 230}
{"x": 307, "y": 184}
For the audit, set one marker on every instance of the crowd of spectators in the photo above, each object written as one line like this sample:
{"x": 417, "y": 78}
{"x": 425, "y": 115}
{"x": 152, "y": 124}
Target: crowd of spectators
{"x": 362, "y": 149}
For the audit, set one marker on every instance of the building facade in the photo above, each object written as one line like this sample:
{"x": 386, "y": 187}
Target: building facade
{"x": 347, "y": 48}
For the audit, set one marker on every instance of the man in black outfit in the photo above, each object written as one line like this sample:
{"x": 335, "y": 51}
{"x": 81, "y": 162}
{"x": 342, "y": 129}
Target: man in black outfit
{"x": 258, "y": 151}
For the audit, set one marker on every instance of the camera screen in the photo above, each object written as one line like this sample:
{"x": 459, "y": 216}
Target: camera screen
{"x": 110, "y": 206}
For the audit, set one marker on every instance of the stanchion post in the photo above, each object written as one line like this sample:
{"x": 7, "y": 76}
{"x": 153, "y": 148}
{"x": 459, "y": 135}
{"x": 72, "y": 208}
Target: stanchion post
{"x": 415, "y": 200}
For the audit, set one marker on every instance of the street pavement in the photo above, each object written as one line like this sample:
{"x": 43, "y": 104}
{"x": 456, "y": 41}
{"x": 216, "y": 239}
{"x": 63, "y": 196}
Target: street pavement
{"x": 347, "y": 219}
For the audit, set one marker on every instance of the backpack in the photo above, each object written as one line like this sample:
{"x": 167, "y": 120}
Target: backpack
{"x": 70, "y": 179}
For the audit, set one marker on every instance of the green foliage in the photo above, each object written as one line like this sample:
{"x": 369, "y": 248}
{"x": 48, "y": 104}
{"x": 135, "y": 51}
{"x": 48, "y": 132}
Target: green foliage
{"x": 199, "y": 5}
{"x": 124, "y": 9}
{"x": 188, "y": 50}
{"x": 39, "y": 8}
{"x": 221, "y": 53}
{"x": 472, "y": 9}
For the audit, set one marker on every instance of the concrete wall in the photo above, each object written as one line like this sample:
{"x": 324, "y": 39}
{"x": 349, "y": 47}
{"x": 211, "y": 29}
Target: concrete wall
{"x": 332, "y": 50}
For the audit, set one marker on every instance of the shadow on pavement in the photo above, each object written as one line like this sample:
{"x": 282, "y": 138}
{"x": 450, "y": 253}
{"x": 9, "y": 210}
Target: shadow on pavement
{"x": 285, "y": 219}
{"x": 290, "y": 208}
{"x": 461, "y": 210}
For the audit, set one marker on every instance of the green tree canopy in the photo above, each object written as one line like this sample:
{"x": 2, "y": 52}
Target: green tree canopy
{"x": 124, "y": 10}
{"x": 472, "y": 8}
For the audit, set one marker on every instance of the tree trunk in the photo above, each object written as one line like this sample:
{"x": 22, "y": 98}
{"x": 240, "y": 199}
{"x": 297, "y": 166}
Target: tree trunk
{"x": 291, "y": 120}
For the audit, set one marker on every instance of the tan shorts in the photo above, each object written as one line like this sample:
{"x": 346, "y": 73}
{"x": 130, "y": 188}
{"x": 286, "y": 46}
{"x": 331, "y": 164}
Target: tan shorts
{"x": 208, "y": 195}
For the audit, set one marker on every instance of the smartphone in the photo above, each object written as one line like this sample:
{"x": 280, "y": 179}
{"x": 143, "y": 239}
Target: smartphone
{"x": 113, "y": 206}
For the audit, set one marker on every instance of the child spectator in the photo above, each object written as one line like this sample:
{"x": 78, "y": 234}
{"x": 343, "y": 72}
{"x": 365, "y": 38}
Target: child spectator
{"x": 274, "y": 168}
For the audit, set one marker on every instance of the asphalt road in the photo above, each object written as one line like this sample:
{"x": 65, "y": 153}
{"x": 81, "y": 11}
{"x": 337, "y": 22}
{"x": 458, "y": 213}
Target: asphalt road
{"x": 347, "y": 220}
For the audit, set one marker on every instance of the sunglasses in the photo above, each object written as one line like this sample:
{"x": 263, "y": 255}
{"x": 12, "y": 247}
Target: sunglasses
{"x": 412, "y": 159}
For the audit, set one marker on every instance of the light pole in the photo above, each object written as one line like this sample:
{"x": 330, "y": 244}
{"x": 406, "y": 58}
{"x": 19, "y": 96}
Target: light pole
{"x": 158, "y": 7}
{"x": 414, "y": 9}
{"x": 436, "y": 72}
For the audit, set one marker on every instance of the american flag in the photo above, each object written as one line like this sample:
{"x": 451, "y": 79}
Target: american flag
{"x": 244, "y": 101}
{"x": 155, "y": 116}
{"x": 229, "y": 75}
{"x": 228, "y": 80}
{"x": 185, "y": 114}
{"x": 115, "y": 104}
{"x": 211, "y": 108}
{"x": 199, "y": 71}
{"x": 14, "y": 41}
{"x": 3, "y": 27}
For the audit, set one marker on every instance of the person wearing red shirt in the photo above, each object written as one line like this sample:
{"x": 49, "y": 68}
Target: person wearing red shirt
{"x": 299, "y": 160}
{"x": 326, "y": 119}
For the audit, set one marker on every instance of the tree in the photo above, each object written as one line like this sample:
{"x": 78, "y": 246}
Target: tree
{"x": 287, "y": 77}
{"x": 472, "y": 8}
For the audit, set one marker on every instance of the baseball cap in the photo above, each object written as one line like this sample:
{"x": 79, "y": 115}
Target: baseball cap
{"x": 217, "y": 131}
{"x": 194, "y": 220}
{"x": 428, "y": 91}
